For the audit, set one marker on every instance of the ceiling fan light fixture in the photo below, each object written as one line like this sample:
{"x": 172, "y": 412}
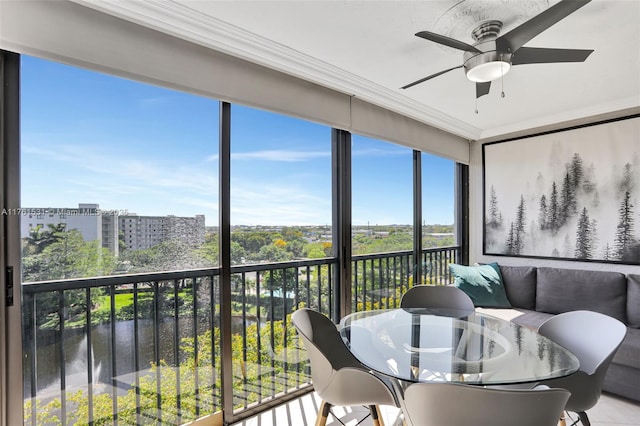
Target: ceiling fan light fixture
{"x": 488, "y": 71}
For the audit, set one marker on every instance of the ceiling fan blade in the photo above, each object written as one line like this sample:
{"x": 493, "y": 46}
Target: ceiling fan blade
{"x": 447, "y": 41}
{"x": 517, "y": 37}
{"x": 482, "y": 89}
{"x": 539, "y": 55}
{"x": 429, "y": 77}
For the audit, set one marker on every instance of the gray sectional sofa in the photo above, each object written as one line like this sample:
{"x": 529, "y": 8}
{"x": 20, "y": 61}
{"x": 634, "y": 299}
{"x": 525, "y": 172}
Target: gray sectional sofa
{"x": 539, "y": 293}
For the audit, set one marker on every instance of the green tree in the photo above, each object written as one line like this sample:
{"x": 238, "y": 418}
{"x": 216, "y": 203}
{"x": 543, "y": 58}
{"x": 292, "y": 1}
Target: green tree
{"x": 67, "y": 255}
{"x": 273, "y": 253}
{"x": 40, "y": 238}
{"x": 252, "y": 241}
{"x": 171, "y": 255}
{"x": 314, "y": 251}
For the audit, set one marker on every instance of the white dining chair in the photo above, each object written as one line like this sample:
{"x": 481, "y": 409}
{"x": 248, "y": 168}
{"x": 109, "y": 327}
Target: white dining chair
{"x": 337, "y": 376}
{"x": 436, "y": 296}
{"x": 594, "y": 339}
{"x": 449, "y": 404}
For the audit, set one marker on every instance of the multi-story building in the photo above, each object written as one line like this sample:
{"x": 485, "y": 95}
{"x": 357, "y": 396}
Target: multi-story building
{"x": 143, "y": 232}
{"x": 93, "y": 223}
{"x": 111, "y": 226}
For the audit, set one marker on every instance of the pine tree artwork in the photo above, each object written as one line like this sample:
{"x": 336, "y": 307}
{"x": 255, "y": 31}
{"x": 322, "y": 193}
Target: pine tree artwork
{"x": 570, "y": 194}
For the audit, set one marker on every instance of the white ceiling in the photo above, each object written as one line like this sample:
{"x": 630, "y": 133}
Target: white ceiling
{"x": 368, "y": 49}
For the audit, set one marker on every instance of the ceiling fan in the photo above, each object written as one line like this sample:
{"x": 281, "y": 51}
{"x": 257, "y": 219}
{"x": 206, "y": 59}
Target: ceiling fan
{"x": 492, "y": 55}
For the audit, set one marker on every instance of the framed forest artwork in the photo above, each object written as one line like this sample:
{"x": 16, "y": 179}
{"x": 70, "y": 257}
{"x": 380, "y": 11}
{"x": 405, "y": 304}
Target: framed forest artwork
{"x": 570, "y": 194}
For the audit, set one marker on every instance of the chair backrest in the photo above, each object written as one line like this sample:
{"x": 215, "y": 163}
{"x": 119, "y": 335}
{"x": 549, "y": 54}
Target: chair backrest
{"x": 338, "y": 377}
{"x": 591, "y": 336}
{"x": 441, "y": 296}
{"x": 594, "y": 339}
{"x": 448, "y": 404}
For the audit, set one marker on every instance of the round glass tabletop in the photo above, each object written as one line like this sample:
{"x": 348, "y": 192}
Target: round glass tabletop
{"x": 420, "y": 345}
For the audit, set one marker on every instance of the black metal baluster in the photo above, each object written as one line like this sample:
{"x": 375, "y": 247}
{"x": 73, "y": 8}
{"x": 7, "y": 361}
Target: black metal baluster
{"x": 329, "y": 292}
{"x": 32, "y": 356}
{"x": 432, "y": 267}
{"x": 284, "y": 331}
{"x": 308, "y": 286}
{"x": 89, "y": 356}
{"x": 375, "y": 276}
{"x": 114, "y": 361}
{"x": 296, "y": 307}
{"x": 63, "y": 360}
{"x": 243, "y": 298}
{"x": 395, "y": 281}
{"x": 271, "y": 331}
{"x": 320, "y": 298}
{"x": 136, "y": 353}
{"x": 259, "y": 325}
{"x": 156, "y": 348}
{"x": 176, "y": 348}
{"x": 196, "y": 358}
{"x": 354, "y": 287}
{"x": 216, "y": 373}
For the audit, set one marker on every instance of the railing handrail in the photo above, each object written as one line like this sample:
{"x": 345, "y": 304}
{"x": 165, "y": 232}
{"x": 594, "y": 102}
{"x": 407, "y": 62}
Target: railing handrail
{"x": 120, "y": 279}
{"x": 75, "y": 283}
{"x": 235, "y": 269}
{"x": 382, "y": 255}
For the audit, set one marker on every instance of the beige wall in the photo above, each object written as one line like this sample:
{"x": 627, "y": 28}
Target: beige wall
{"x": 476, "y": 214}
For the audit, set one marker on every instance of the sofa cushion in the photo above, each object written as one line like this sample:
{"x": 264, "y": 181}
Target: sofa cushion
{"x": 629, "y": 351}
{"x": 520, "y": 285}
{"x": 482, "y": 283}
{"x": 532, "y": 319}
{"x": 633, "y": 300}
{"x": 564, "y": 290}
{"x": 524, "y": 317}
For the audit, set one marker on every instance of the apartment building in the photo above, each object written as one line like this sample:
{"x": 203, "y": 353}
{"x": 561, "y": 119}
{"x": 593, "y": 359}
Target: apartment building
{"x": 144, "y": 232}
{"x": 111, "y": 226}
{"x": 92, "y": 222}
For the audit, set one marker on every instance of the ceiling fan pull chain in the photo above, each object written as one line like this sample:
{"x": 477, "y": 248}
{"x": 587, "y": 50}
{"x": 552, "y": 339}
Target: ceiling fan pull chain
{"x": 476, "y": 105}
{"x": 501, "y": 76}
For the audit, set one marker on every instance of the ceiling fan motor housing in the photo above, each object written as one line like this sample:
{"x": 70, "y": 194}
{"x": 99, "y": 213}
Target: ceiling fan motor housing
{"x": 490, "y": 64}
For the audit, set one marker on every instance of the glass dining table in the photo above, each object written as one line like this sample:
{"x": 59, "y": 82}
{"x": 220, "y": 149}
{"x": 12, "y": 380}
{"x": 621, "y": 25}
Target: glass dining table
{"x": 422, "y": 345}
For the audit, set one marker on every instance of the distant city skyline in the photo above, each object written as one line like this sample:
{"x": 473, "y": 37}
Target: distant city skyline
{"x": 87, "y": 137}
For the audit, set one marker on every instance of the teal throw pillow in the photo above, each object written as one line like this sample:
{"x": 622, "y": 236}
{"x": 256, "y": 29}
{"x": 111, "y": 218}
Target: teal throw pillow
{"x": 482, "y": 283}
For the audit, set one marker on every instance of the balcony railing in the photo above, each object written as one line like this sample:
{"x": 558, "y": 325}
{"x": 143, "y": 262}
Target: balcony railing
{"x": 145, "y": 348}
{"x": 380, "y": 279}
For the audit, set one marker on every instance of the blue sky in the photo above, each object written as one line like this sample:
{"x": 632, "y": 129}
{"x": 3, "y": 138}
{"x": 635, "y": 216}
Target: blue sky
{"x": 92, "y": 138}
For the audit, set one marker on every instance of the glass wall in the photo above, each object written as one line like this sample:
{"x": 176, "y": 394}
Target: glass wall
{"x": 120, "y": 246}
{"x": 382, "y": 217}
{"x": 280, "y": 216}
{"x": 117, "y": 178}
{"x": 438, "y": 217}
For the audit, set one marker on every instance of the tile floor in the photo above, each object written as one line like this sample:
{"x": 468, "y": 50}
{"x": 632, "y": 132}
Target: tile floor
{"x": 610, "y": 411}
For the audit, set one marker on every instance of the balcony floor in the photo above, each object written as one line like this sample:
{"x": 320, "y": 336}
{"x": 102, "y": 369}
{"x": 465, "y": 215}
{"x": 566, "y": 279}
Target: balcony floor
{"x": 610, "y": 411}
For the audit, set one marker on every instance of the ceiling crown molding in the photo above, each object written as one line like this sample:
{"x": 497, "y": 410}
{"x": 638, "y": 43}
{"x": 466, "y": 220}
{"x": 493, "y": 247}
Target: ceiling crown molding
{"x": 589, "y": 111}
{"x": 183, "y": 22}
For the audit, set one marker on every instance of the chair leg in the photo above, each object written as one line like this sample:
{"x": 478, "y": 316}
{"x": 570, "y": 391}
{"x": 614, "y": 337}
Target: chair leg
{"x": 323, "y": 413}
{"x": 376, "y": 415}
{"x": 584, "y": 419}
{"x": 562, "y": 421}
